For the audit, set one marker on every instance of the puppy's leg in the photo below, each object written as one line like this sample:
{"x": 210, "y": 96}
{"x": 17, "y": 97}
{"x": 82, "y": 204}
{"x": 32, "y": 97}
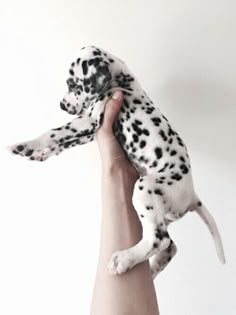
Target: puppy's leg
{"x": 79, "y": 131}
{"x": 52, "y": 143}
{"x": 150, "y": 208}
{"x": 161, "y": 260}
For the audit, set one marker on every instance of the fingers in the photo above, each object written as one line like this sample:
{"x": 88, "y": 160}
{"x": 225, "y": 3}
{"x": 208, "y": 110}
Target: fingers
{"x": 111, "y": 111}
{"x": 109, "y": 147}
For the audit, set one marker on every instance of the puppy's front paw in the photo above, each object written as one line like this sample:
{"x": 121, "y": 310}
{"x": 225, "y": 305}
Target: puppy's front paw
{"x": 120, "y": 262}
{"x": 38, "y": 149}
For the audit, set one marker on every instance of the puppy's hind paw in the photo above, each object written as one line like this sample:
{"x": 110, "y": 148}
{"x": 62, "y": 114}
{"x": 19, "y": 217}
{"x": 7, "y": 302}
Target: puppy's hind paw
{"x": 119, "y": 263}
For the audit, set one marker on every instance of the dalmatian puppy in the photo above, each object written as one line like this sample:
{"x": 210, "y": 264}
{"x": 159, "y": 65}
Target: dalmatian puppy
{"x": 164, "y": 191}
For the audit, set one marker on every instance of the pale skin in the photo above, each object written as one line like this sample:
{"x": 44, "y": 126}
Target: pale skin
{"x": 133, "y": 292}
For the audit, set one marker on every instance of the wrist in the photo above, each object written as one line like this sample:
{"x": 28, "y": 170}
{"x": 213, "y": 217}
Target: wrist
{"x": 118, "y": 184}
{"x": 120, "y": 173}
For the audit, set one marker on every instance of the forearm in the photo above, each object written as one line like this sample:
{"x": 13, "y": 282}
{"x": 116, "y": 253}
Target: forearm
{"x": 133, "y": 292}
{"x": 119, "y": 220}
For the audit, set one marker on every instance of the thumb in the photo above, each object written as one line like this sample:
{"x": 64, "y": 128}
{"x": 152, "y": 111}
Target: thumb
{"x": 111, "y": 111}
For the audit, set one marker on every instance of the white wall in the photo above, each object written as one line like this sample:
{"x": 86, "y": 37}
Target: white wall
{"x": 183, "y": 52}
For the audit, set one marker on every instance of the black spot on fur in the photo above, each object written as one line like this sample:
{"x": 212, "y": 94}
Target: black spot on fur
{"x": 163, "y": 135}
{"x": 173, "y": 152}
{"x": 158, "y": 192}
{"x": 60, "y": 128}
{"x": 160, "y": 234}
{"x": 149, "y": 110}
{"x": 145, "y": 132}
{"x": 176, "y": 176}
{"x": 158, "y": 152}
{"x": 184, "y": 168}
{"x": 85, "y": 67}
{"x": 156, "y": 121}
{"x": 67, "y": 144}
{"x": 135, "y": 138}
{"x": 163, "y": 169}
{"x": 68, "y": 137}
{"x": 142, "y": 144}
{"x": 137, "y": 101}
{"x": 171, "y": 132}
{"x": 137, "y": 129}
{"x": 137, "y": 122}
{"x": 97, "y": 52}
{"x": 180, "y": 142}
{"x": 91, "y": 62}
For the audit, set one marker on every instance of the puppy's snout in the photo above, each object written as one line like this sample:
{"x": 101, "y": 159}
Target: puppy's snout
{"x": 63, "y": 107}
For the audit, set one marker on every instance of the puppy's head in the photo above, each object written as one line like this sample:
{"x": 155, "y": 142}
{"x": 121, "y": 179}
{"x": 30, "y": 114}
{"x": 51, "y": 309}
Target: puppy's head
{"x": 89, "y": 77}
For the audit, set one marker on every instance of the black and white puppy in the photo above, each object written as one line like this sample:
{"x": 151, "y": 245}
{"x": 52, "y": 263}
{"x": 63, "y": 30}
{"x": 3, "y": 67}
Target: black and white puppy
{"x": 164, "y": 191}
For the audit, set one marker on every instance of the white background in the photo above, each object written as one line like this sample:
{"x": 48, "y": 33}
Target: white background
{"x": 183, "y": 53}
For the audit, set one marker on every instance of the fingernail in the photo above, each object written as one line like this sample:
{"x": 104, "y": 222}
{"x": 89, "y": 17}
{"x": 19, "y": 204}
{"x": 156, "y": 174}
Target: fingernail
{"x": 116, "y": 95}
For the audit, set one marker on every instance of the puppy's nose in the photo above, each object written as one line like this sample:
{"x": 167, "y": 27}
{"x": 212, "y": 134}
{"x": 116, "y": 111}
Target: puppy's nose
{"x": 63, "y": 106}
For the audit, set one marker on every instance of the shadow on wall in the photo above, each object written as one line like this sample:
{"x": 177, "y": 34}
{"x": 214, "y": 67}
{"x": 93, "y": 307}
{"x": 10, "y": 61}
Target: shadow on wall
{"x": 203, "y": 110}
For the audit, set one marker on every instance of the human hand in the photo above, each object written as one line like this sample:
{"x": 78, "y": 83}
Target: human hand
{"x": 114, "y": 160}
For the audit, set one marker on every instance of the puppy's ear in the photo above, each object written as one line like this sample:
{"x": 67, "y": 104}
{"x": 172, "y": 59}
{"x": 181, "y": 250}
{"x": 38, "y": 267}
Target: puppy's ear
{"x": 102, "y": 77}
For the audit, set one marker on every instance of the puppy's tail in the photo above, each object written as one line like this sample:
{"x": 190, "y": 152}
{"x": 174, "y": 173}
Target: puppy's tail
{"x": 210, "y": 222}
